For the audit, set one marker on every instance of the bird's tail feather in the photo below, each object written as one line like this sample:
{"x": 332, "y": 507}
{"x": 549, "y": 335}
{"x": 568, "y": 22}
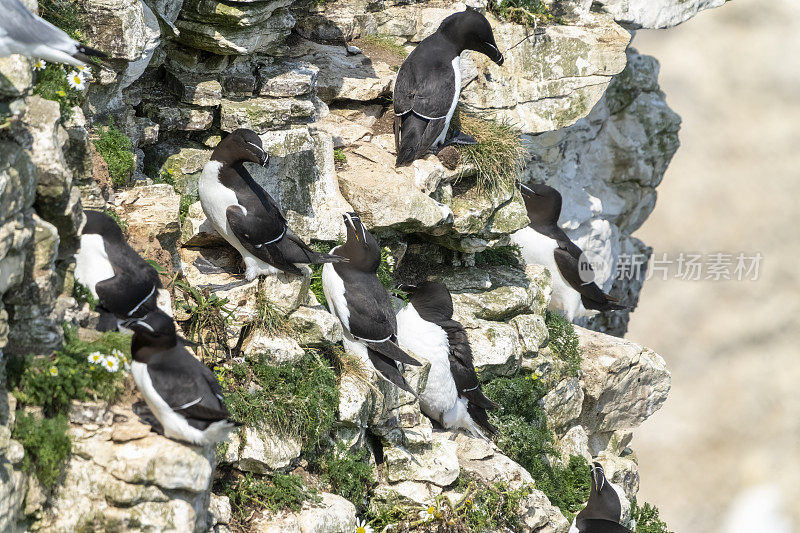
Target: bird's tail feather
{"x": 388, "y": 369}
{"x": 391, "y": 350}
{"x": 480, "y": 417}
{"x": 411, "y": 130}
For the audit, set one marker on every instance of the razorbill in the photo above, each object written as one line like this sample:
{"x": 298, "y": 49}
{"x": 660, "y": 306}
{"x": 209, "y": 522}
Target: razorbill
{"x": 429, "y": 83}
{"x": 181, "y": 392}
{"x": 603, "y": 511}
{"x": 125, "y": 285}
{"x": 22, "y": 32}
{"x": 543, "y": 242}
{"x": 453, "y": 395}
{"x": 357, "y": 298}
{"x": 245, "y": 215}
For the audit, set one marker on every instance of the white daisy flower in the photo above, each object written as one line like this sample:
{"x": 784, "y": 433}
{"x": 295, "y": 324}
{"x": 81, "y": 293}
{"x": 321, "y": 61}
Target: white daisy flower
{"x": 40, "y": 64}
{"x": 429, "y": 513}
{"x": 363, "y": 527}
{"x": 76, "y": 80}
{"x": 53, "y": 371}
{"x": 111, "y": 363}
{"x": 96, "y": 358}
{"x": 118, "y": 354}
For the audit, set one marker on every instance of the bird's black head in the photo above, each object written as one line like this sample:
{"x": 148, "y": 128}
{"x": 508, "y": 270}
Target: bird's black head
{"x": 99, "y": 223}
{"x": 431, "y": 299}
{"x": 469, "y": 30}
{"x": 241, "y": 146}
{"x": 361, "y": 248}
{"x": 542, "y": 202}
{"x": 152, "y": 334}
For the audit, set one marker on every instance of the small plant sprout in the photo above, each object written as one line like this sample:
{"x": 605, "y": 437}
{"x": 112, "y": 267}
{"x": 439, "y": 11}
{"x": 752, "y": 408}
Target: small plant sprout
{"x": 111, "y": 364}
{"x": 76, "y": 80}
{"x": 96, "y": 358}
{"x": 54, "y": 371}
{"x": 39, "y": 64}
{"x": 363, "y": 527}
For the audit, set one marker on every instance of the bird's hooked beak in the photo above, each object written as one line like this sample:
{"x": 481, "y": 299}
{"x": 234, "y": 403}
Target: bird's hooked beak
{"x": 263, "y": 157}
{"x": 599, "y": 476}
{"x": 137, "y": 324}
{"x": 525, "y": 190}
{"x": 498, "y": 57}
{"x": 408, "y": 289}
{"x": 349, "y": 219}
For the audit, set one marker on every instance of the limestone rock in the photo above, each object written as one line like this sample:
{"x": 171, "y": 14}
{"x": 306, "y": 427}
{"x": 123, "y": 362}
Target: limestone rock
{"x": 315, "y": 326}
{"x": 197, "y": 231}
{"x": 184, "y": 164}
{"x": 333, "y": 514}
{"x": 660, "y": 14}
{"x": 195, "y": 89}
{"x": 265, "y": 37}
{"x": 153, "y": 216}
{"x": 16, "y": 76}
{"x": 261, "y": 450}
{"x": 563, "y": 404}
{"x": 301, "y": 177}
{"x": 171, "y": 115}
{"x": 437, "y": 464}
{"x": 227, "y": 14}
{"x": 277, "y": 349}
{"x": 264, "y": 114}
{"x": 288, "y": 79}
{"x": 624, "y": 383}
{"x": 346, "y": 77}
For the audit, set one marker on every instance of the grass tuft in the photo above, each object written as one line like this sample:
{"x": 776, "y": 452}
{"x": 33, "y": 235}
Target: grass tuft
{"x": 52, "y": 382}
{"x": 323, "y": 247}
{"x": 208, "y": 318}
{"x": 349, "y": 474}
{"x": 296, "y": 400}
{"x": 563, "y": 342}
{"x": 523, "y": 435}
{"x": 498, "y": 157}
{"x": 646, "y": 519}
{"x": 186, "y": 202}
{"x": 525, "y": 12}
{"x": 276, "y": 493}
{"x": 269, "y": 317}
{"x": 46, "y": 443}
{"x": 386, "y": 43}
{"x": 82, "y": 295}
{"x": 339, "y": 156}
{"x": 116, "y": 149}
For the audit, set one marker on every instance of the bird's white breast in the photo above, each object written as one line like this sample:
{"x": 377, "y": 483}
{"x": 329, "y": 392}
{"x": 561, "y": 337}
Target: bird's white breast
{"x": 91, "y": 263}
{"x": 539, "y": 249}
{"x": 175, "y": 426}
{"x": 215, "y": 198}
{"x": 333, "y": 287}
{"x": 456, "y": 64}
{"x": 430, "y": 342}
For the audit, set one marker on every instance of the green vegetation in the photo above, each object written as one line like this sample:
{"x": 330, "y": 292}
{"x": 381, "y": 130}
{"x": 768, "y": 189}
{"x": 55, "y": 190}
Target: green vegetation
{"x": 350, "y": 474}
{"x": 386, "y": 273}
{"x": 564, "y": 343}
{"x": 52, "y": 84}
{"x": 64, "y": 15}
{"x": 269, "y": 317}
{"x": 339, "y": 156}
{"x": 186, "y": 201}
{"x": 386, "y": 43}
{"x": 52, "y": 382}
{"x": 499, "y": 155}
{"x": 646, "y": 519}
{"x": 323, "y": 247}
{"x": 121, "y": 223}
{"x": 296, "y": 400}
{"x": 525, "y": 12}
{"x": 47, "y": 445}
{"x": 116, "y": 149}
{"x": 208, "y": 318}
{"x": 83, "y": 295}
{"x": 494, "y": 508}
{"x": 274, "y": 493}
{"x": 500, "y": 256}
{"x": 524, "y": 436}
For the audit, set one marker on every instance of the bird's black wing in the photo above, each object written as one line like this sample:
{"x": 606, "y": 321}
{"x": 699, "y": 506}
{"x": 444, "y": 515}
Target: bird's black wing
{"x": 425, "y": 85}
{"x": 462, "y": 366}
{"x": 598, "y": 525}
{"x": 187, "y": 385}
{"x": 371, "y": 314}
{"x": 569, "y": 264}
{"x": 124, "y": 292}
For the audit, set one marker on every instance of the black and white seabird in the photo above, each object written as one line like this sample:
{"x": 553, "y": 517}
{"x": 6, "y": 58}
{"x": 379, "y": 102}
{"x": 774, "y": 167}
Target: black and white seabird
{"x": 181, "y": 392}
{"x": 125, "y": 285}
{"x": 245, "y": 215}
{"x": 603, "y": 511}
{"x": 357, "y": 298}
{"x": 543, "y": 242}
{"x": 22, "y": 32}
{"x": 429, "y": 83}
{"x": 453, "y": 395}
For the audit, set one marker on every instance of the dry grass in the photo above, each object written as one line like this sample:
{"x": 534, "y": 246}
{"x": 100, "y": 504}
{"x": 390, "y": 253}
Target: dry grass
{"x": 499, "y": 156}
